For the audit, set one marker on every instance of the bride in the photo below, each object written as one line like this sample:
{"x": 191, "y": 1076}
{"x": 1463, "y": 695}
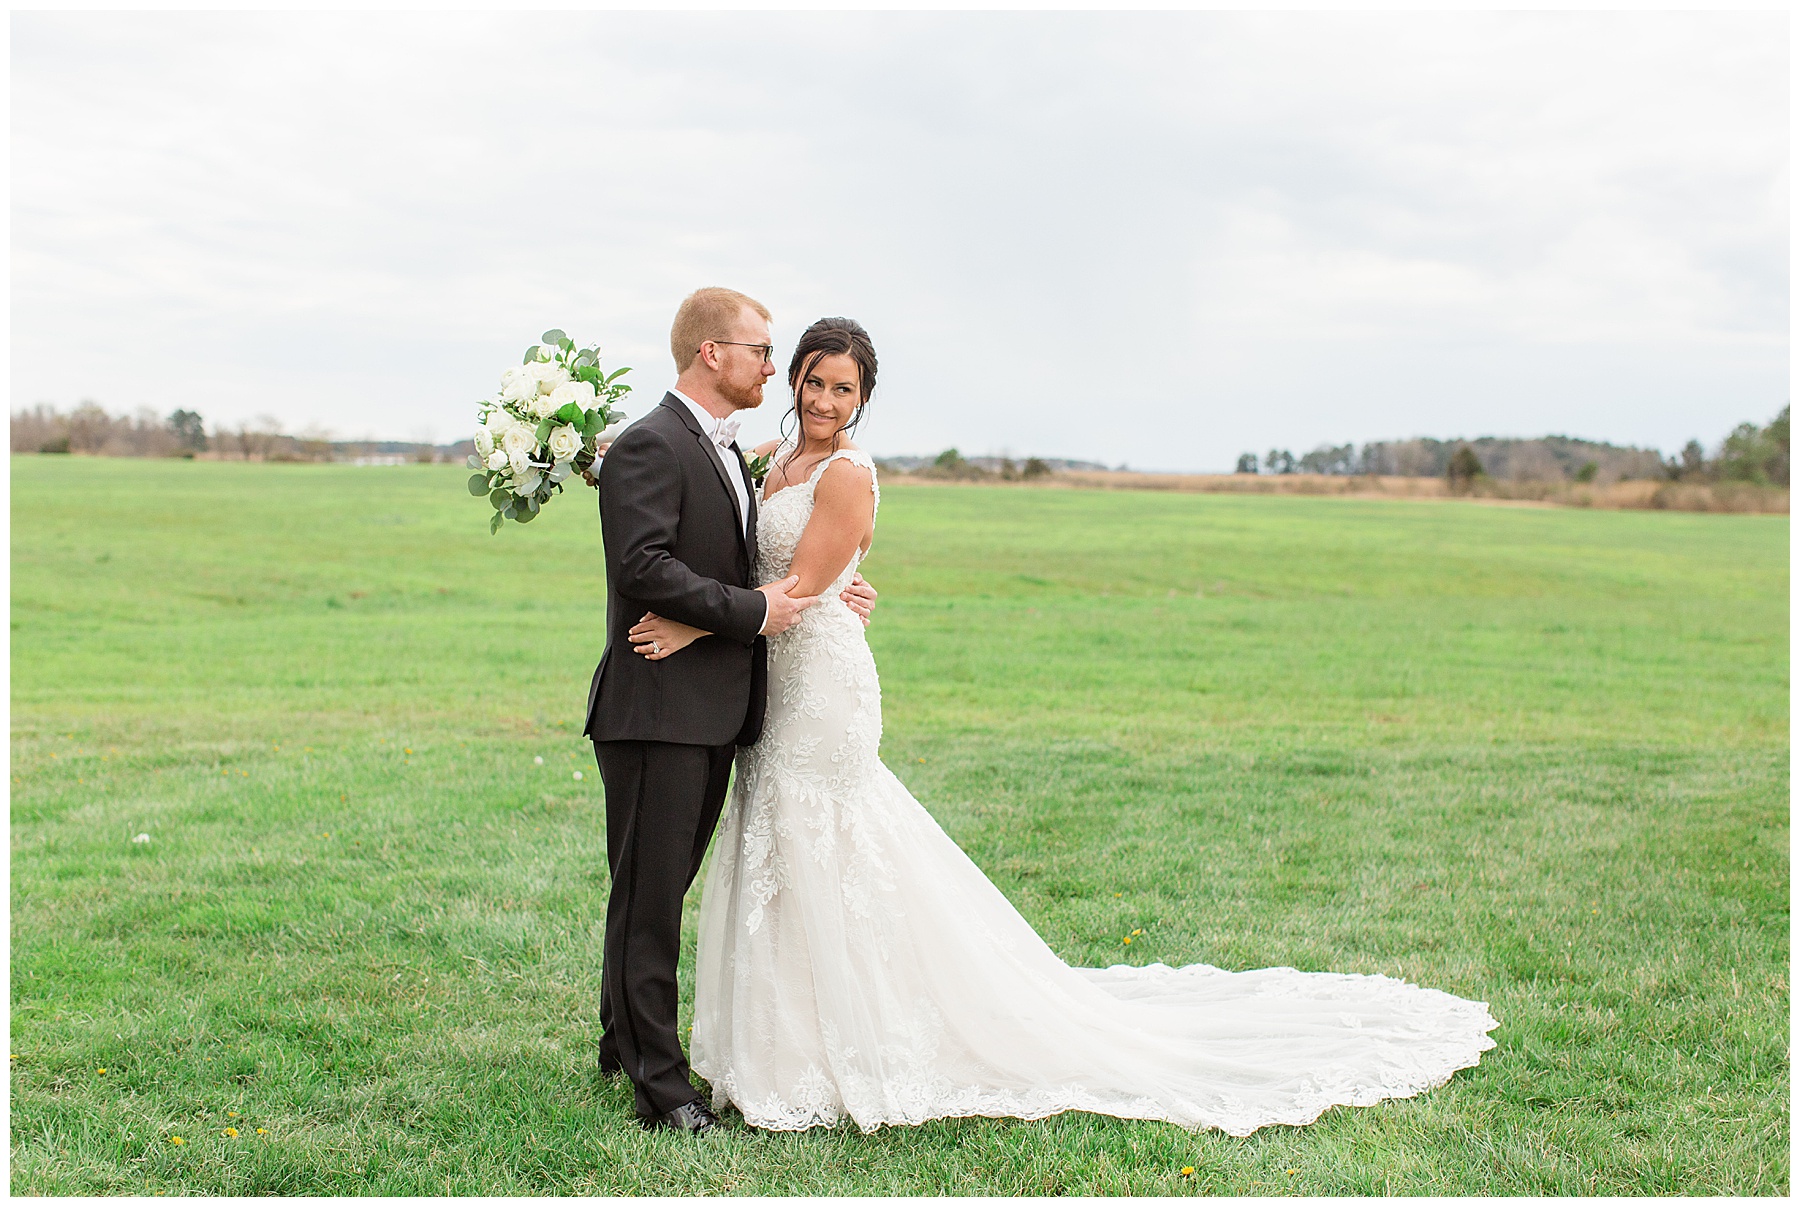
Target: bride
{"x": 853, "y": 961}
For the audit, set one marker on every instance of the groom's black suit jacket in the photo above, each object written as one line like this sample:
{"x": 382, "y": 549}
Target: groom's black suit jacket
{"x": 676, "y": 546}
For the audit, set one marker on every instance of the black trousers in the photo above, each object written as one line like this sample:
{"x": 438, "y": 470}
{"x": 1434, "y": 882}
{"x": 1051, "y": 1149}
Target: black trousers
{"x": 662, "y": 803}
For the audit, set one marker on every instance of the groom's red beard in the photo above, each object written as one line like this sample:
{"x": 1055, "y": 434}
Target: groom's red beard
{"x": 742, "y": 397}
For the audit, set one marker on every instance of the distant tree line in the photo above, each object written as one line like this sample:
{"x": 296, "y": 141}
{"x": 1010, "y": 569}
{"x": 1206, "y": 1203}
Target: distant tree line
{"x": 1749, "y": 454}
{"x": 91, "y": 430}
{"x": 951, "y": 464}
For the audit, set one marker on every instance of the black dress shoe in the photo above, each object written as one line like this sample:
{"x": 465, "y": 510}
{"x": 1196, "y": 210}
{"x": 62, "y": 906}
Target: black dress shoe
{"x": 695, "y": 1117}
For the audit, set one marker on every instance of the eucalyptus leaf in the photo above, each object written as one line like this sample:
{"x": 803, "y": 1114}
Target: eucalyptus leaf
{"x": 554, "y": 336}
{"x": 530, "y": 355}
{"x": 525, "y": 515}
{"x": 500, "y": 497}
{"x": 477, "y": 484}
{"x": 495, "y": 522}
{"x": 474, "y": 461}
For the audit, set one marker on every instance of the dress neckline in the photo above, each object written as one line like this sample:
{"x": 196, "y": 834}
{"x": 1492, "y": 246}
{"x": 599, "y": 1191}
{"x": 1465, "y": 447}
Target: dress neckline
{"x": 812, "y": 478}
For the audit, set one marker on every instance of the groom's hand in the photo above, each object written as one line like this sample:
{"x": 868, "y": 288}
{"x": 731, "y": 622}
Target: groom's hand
{"x": 861, "y": 598}
{"x": 590, "y": 475}
{"x": 784, "y": 609}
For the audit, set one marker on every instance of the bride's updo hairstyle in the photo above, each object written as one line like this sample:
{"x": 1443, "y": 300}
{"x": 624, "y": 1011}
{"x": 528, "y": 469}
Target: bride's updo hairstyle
{"x": 833, "y": 337}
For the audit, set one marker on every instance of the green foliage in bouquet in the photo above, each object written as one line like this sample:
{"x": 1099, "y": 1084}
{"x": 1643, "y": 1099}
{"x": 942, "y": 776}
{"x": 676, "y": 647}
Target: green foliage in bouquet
{"x": 544, "y": 426}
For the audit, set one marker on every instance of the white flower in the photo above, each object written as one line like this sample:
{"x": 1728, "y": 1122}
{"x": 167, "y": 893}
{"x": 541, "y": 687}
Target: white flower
{"x": 539, "y": 760}
{"x": 578, "y": 775}
{"x": 543, "y": 406}
{"x": 484, "y": 442}
{"x": 564, "y": 442}
{"x": 519, "y": 439}
{"x": 521, "y": 463}
{"x": 497, "y": 460}
{"x": 497, "y": 422}
{"x": 547, "y": 374}
{"x": 581, "y": 393}
{"x": 141, "y": 838}
{"x": 517, "y": 384}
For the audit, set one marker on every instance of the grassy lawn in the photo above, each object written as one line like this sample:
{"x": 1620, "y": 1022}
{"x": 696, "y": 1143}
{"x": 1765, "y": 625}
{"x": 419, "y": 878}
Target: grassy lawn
{"x": 1533, "y": 756}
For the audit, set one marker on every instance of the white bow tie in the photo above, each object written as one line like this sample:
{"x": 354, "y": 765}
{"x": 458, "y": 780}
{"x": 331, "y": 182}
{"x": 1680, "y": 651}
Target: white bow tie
{"x": 726, "y": 430}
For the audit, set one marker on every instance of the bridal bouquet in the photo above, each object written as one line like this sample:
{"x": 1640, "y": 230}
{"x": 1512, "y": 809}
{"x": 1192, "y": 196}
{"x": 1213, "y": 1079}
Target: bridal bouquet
{"x": 550, "y": 413}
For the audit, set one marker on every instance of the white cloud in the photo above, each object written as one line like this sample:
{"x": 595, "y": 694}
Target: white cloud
{"x": 1227, "y": 231}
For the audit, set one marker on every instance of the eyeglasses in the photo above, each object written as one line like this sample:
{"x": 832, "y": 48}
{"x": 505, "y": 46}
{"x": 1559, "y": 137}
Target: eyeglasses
{"x": 768, "y": 350}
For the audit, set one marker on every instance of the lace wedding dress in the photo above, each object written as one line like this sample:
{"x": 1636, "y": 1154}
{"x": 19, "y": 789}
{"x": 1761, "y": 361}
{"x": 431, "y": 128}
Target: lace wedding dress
{"x": 853, "y": 961}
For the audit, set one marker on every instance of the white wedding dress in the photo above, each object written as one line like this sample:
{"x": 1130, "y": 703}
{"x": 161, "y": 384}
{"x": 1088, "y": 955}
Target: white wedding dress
{"x": 853, "y": 961}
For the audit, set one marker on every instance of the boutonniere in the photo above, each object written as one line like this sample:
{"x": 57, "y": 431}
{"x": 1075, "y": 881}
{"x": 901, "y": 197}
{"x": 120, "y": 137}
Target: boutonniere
{"x": 759, "y": 467}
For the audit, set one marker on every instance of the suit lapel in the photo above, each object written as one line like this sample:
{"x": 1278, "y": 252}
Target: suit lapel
{"x": 714, "y": 457}
{"x": 750, "y": 493}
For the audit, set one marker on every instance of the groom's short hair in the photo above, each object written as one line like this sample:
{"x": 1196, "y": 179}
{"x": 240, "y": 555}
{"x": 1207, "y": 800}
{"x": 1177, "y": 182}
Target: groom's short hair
{"x": 707, "y": 314}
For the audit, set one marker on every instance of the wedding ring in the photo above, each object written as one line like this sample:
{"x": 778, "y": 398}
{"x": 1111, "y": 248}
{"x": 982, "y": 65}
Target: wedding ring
{"x": 655, "y": 648}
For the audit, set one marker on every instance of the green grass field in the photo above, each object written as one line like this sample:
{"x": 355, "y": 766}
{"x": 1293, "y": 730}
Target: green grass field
{"x": 1537, "y": 757}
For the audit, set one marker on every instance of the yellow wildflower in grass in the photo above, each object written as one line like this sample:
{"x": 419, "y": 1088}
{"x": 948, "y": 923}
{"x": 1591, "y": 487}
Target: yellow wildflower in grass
{"x": 102, "y": 1072}
{"x": 1128, "y": 940}
{"x": 1187, "y": 1171}
{"x": 230, "y": 1131}
{"x": 176, "y": 1140}
{"x": 262, "y": 1131}
{"x": 231, "y": 1114}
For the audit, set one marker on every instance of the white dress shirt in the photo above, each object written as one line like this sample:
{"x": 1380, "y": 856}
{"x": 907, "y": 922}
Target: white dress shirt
{"x": 709, "y": 423}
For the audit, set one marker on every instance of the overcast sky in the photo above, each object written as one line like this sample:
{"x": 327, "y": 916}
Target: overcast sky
{"x": 1156, "y": 238}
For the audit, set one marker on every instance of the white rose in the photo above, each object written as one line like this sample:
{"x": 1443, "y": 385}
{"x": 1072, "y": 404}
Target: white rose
{"x": 547, "y": 374}
{"x": 519, "y": 441}
{"x": 564, "y": 442}
{"x": 497, "y": 460}
{"x": 484, "y": 442}
{"x": 498, "y": 422}
{"x": 543, "y": 406}
{"x": 517, "y": 384}
{"x": 581, "y": 393}
{"x": 521, "y": 464}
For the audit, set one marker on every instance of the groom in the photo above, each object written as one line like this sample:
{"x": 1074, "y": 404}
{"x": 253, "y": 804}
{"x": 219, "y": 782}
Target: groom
{"x": 678, "y": 518}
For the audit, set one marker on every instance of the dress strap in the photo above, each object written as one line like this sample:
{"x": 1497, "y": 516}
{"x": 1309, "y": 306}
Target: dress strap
{"x": 854, "y": 456}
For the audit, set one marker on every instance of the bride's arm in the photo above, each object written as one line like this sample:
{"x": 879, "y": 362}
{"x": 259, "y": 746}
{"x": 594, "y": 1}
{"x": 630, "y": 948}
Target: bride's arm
{"x": 843, "y": 513}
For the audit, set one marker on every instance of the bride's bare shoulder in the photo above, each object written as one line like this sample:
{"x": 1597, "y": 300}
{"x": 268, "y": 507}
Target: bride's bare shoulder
{"x": 765, "y": 448}
{"x": 845, "y": 479}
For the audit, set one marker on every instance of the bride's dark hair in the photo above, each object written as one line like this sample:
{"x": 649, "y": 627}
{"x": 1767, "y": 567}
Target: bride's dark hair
{"x": 831, "y": 337}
